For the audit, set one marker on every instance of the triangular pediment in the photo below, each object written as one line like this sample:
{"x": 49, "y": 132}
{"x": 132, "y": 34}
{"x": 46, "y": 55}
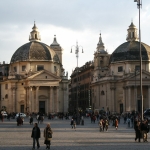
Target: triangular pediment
{"x": 44, "y": 75}
{"x": 145, "y": 75}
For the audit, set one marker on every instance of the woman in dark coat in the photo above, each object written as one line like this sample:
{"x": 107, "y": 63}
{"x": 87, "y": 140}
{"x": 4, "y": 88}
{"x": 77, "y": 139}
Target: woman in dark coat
{"x": 48, "y": 136}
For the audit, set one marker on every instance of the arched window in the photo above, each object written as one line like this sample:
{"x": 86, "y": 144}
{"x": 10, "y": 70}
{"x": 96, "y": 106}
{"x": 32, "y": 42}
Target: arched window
{"x": 102, "y": 93}
{"x": 35, "y": 36}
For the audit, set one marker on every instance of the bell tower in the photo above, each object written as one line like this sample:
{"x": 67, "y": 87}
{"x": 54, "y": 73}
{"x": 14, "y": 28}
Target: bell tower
{"x": 101, "y": 60}
{"x": 57, "y": 48}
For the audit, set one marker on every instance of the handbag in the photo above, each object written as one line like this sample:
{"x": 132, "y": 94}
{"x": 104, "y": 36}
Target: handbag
{"x": 49, "y": 135}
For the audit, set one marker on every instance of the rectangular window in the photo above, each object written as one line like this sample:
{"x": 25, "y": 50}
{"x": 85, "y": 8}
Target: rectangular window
{"x": 15, "y": 69}
{"x": 40, "y": 67}
{"x": 55, "y": 68}
{"x": 120, "y": 69}
{"x": 23, "y": 68}
{"x": 137, "y": 68}
{"x": 6, "y": 86}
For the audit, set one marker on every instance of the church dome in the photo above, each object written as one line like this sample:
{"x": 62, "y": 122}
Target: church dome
{"x": 130, "y": 51}
{"x": 34, "y": 50}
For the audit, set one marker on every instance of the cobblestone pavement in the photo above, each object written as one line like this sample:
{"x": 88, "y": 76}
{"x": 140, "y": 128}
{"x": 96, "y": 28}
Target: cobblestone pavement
{"x": 85, "y": 137}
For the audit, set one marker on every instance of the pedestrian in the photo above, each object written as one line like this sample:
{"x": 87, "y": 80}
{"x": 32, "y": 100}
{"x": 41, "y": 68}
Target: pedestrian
{"x": 139, "y": 131}
{"x": 128, "y": 120}
{"x": 100, "y": 125}
{"x": 74, "y": 124}
{"x": 36, "y": 134}
{"x": 103, "y": 123}
{"x": 145, "y": 130}
{"x": 31, "y": 120}
{"x": 116, "y": 123}
{"x": 106, "y": 125}
{"x": 71, "y": 123}
{"x": 48, "y": 136}
{"x": 136, "y": 129}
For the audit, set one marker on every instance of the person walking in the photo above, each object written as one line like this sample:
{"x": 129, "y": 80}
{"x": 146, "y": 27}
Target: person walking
{"x": 74, "y": 124}
{"x": 139, "y": 130}
{"x": 36, "y": 134}
{"x": 48, "y": 136}
{"x": 100, "y": 125}
{"x": 106, "y": 125}
{"x": 71, "y": 123}
{"x": 116, "y": 123}
{"x": 144, "y": 130}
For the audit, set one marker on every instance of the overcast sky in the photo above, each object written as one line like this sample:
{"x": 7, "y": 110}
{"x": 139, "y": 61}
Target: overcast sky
{"x": 70, "y": 21}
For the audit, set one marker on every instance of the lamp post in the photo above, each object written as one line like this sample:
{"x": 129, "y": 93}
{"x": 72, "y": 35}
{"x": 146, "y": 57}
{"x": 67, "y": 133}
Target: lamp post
{"x": 77, "y": 56}
{"x": 139, "y": 5}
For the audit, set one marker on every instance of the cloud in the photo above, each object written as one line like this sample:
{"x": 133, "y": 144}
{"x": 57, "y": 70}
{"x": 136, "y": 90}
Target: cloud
{"x": 71, "y": 21}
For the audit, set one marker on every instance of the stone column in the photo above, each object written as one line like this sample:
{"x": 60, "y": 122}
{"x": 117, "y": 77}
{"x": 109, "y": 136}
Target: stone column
{"x": 14, "y": 103}
{"x": 135, "y": 98}
{"x": 149, "y": 96}
{"x": 129, "y": 98}
{"x": 51, "y": 99}
{"x": 113, "y": 98}
{"x": 26, "y": 99}
{"x": 124, "y": 99}
{"x": 37, "y": 100}
{"x": 56, "y": 100}
{"x": 30, "y": 100}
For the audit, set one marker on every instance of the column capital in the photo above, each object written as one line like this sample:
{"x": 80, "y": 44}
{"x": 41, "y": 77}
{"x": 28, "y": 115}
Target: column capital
{"x": 13, "y": 88}
{"x": 113, "y": 88}
{"x": 26, "y": 87}
{"x": 37, "y": 88}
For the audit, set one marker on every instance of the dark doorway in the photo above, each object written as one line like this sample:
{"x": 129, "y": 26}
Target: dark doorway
{"x": 42, "y": 107}
{"x": 139, "y": 105}
{"x": 121, "y": 108}
{"x": 22, "y": 108}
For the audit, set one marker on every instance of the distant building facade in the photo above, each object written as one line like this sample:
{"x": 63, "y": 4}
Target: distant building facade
{"x": 80, "y": 86}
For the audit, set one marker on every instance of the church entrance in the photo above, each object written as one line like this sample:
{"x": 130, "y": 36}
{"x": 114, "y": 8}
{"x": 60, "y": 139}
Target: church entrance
{"x": 121, "y": 108}
{"x": 42, "y": 107}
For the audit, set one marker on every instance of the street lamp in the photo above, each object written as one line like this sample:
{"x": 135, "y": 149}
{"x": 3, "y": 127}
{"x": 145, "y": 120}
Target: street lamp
{"x": 77, "y": 56}
{"x": 139, "y": 5}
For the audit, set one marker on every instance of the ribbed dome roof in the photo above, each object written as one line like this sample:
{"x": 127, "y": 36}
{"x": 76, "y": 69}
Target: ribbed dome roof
{"x": 130, "y": 51}
{"x": 34, "y": 51}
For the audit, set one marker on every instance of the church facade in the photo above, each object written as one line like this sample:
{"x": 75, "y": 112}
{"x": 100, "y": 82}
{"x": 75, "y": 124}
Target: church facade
{"x": 116, "y": 77}
{"x": 37, "y": 81}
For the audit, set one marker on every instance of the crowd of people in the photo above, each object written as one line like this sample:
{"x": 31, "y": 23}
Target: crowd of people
{"x": 104, "y": 120}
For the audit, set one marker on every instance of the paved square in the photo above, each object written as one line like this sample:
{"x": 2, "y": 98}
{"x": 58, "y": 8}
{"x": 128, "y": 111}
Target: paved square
{"x": 85, "y": 137}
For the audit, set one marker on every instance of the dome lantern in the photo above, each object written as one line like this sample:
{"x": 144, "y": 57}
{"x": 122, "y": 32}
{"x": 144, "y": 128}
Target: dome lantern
{"x": 132, "y": 33}
{"x": 34, "y": 34}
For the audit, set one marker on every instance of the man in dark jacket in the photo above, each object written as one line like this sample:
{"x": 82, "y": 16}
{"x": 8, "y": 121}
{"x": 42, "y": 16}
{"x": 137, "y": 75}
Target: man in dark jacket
{"x": 145, "y": 130}
{"x": 36, "y": 135}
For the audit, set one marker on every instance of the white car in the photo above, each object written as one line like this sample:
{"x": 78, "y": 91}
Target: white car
{"x": 4, "y": 114}
{"x": 22, "y": 115}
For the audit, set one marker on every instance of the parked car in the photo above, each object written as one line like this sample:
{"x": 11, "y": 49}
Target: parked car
{"x": 4, "y": 113}
{"x": 21, "y": 115}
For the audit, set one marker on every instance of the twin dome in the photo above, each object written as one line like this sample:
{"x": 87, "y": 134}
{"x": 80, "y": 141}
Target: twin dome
{"x": 35, "y": 50}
